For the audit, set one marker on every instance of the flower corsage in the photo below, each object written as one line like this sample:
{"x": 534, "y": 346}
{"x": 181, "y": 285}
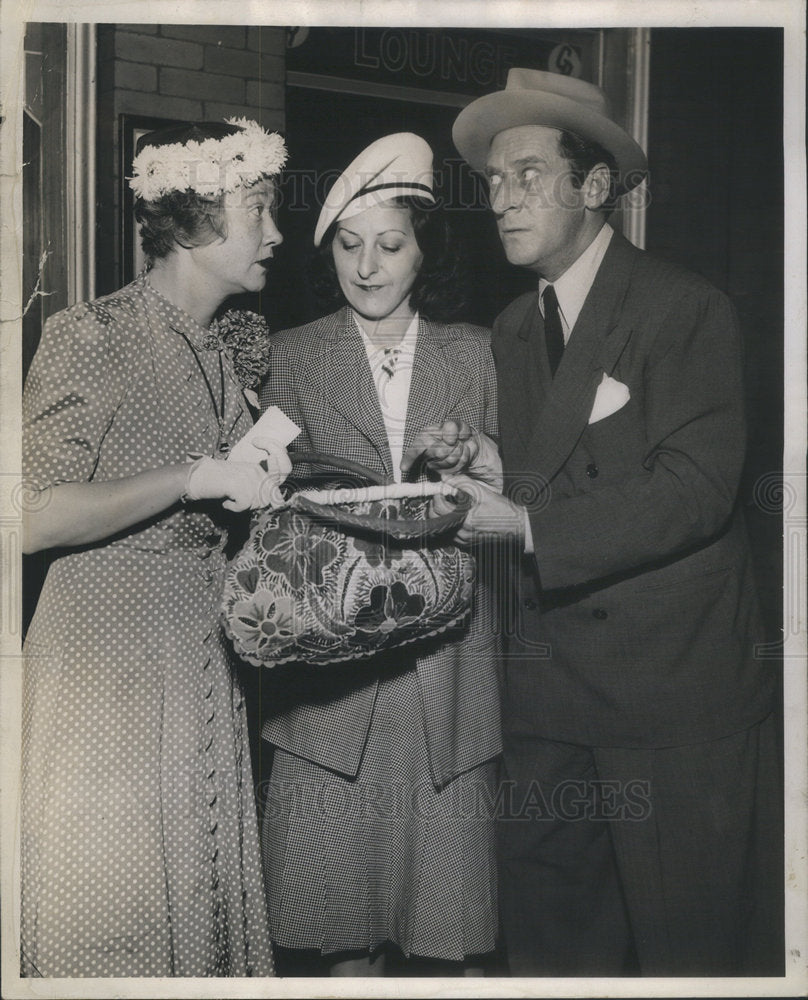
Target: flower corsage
{"x": 245, "y": 340}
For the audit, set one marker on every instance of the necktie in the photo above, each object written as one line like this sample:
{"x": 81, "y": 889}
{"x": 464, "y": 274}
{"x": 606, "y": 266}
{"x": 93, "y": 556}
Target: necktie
{"x": 553, "y": 334}
{"x": 390, "y": 360}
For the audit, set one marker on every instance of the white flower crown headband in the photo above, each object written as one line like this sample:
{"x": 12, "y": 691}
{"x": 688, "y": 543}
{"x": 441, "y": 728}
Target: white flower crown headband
{"x": 210, "y": 167}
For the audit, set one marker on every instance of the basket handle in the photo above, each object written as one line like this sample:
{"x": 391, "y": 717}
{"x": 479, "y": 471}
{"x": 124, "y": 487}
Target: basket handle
{"x": 400, "y": 529}
{"x": 335, "y": 462}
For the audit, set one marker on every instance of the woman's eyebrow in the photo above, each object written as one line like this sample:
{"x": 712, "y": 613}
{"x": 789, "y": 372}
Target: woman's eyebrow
{"x": 383, "y": 232}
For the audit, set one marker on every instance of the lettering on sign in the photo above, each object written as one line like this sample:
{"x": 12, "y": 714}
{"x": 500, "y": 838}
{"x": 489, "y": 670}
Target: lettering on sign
{"x": 440, "y": 57}
{"x": 296, "y": 36}
{"x": 565, "y": 59}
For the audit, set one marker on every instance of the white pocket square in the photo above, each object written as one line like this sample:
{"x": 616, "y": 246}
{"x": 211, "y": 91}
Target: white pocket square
{"x": 610, "y": 397}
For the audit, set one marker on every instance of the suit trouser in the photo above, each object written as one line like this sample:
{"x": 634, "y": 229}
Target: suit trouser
{"x": 659, "y": 861}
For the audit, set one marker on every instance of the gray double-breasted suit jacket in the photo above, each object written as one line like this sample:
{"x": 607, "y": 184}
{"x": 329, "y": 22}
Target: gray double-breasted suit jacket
{"x": 320, "y": 377}
{"x": 635, "y": 623}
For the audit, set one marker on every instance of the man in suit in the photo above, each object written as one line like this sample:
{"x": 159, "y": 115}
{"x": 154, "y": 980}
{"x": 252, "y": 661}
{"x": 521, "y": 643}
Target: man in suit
{"x": 640, "y": 815}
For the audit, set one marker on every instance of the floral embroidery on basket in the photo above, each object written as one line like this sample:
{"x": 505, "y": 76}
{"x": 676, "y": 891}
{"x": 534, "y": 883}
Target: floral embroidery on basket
{"x": 264, "y": 620}
{"x": 290, "y": 551}
{"x": 320, "y": 590}
{"x": 390, "y": 608}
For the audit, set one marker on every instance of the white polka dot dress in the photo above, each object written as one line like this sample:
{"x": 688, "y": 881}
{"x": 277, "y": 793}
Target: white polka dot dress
{"x": 139, "y": 838}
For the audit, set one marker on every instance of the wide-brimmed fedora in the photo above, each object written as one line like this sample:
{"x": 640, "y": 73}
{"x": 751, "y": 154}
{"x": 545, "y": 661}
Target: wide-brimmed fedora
{"x": 534, "y": 97}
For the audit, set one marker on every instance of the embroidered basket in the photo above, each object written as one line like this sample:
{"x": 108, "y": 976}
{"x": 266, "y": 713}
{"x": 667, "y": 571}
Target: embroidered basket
{"x": 341, "y": 574}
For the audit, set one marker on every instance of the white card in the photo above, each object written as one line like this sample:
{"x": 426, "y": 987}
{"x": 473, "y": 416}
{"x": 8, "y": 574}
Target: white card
{"x": 273, "y": 424}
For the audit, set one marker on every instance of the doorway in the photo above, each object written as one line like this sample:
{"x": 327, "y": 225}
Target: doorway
{"x": 326, "y": 131}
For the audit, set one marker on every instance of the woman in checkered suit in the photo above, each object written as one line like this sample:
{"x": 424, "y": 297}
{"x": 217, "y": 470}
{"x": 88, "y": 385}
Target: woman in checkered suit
{"x": 378, "y": 828}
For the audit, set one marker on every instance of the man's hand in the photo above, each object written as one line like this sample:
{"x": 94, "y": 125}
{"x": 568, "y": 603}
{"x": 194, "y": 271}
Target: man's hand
{"x": 492, "y": 516}
{"x": 452, "y": 447}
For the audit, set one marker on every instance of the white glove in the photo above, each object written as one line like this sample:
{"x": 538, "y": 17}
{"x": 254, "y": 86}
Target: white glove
{"x": 277, "y": 461}
{"x": 241, "y": 485}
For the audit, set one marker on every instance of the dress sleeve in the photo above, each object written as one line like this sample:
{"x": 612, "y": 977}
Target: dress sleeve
{"x": 74, "y": 387}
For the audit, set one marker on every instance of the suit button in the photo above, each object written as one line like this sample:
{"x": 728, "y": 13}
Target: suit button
{"x": 592, "y": 470}
{"x": 530, "y": 604}
{"x": 600, "y": 614}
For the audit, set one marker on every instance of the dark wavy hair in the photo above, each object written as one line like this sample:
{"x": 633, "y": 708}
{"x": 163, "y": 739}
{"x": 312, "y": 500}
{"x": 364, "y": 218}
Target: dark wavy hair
{"x": 438, "y": 291}
{"x": 582, "y": 155}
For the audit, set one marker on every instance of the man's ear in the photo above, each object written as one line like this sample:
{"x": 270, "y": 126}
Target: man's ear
{"x": 597, "y": 186}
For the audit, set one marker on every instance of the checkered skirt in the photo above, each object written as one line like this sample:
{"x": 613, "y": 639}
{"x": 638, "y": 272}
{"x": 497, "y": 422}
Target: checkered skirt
{"x": 351, "y": 864}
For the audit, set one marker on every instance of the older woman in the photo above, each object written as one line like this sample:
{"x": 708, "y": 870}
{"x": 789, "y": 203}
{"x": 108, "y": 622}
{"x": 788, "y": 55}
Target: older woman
{"x": 139, "y": 837}
{"x": 377, "y": 829}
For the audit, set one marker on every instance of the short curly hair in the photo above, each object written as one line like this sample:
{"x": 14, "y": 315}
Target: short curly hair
{"x": 438, "y": 290}
{"x": 182, "y": 218}
{"x": 179, "y": 218}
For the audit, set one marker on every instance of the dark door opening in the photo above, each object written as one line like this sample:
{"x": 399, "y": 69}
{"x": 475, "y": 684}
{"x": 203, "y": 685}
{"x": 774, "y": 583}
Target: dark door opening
{"x": 326, "y": 131}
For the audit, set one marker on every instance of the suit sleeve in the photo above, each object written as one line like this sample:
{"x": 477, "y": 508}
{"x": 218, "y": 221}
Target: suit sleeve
{"x": 683, "y": 490}
{"x": 488, "y": 378}
{"x": 471, "y": 378}
{"x": 481, "y": 386}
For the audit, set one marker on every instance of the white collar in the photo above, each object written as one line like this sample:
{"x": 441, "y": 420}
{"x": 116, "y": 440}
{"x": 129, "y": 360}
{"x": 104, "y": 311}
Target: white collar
{"x": 406, "y": 347}
{"x": 573, "y": 286}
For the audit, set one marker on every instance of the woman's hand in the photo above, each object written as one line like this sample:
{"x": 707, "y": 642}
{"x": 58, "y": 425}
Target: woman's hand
{"x": 70, "y": 514}
{"x": 453, "y": 447}
{"x": 277, "y": 462}
{"x": 241, "y": 485}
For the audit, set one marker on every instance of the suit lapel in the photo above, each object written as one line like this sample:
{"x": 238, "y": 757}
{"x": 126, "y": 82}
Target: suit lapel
{"x": 342, "y": 373}
{"x": 429, "y": 385}
{"x": 597, "y": 340}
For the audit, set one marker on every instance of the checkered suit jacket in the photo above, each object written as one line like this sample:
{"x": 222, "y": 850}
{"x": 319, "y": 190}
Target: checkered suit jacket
{"x": 320, "y": 377}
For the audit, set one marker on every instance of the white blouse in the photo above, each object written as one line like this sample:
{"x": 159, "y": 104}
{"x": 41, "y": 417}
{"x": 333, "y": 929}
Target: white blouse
{"x": 393, "y": 389}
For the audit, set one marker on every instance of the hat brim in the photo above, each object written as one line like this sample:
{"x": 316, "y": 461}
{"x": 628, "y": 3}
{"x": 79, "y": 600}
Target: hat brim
{"x": 364, "y": 201}
{"x": 478, "y": 123}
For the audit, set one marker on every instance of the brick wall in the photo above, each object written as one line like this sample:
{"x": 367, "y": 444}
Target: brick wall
{"x": 176, "y": 71}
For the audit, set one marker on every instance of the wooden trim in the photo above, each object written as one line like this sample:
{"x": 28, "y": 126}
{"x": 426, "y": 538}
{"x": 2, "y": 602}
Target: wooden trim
{"x": 55, "y": 193}
{"x": 315, "y": 81}
{"x": 80, "y": 160}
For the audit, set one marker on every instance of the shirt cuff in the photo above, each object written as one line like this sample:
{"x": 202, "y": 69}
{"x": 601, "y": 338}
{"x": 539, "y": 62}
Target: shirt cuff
{"x": 528, "y": 534}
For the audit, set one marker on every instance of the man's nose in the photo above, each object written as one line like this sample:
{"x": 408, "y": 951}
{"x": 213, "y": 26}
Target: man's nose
{"x": 503, "y": 196}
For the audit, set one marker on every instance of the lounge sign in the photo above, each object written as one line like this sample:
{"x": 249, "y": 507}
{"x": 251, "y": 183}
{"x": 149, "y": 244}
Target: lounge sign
{"x": 462, "y": 61}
